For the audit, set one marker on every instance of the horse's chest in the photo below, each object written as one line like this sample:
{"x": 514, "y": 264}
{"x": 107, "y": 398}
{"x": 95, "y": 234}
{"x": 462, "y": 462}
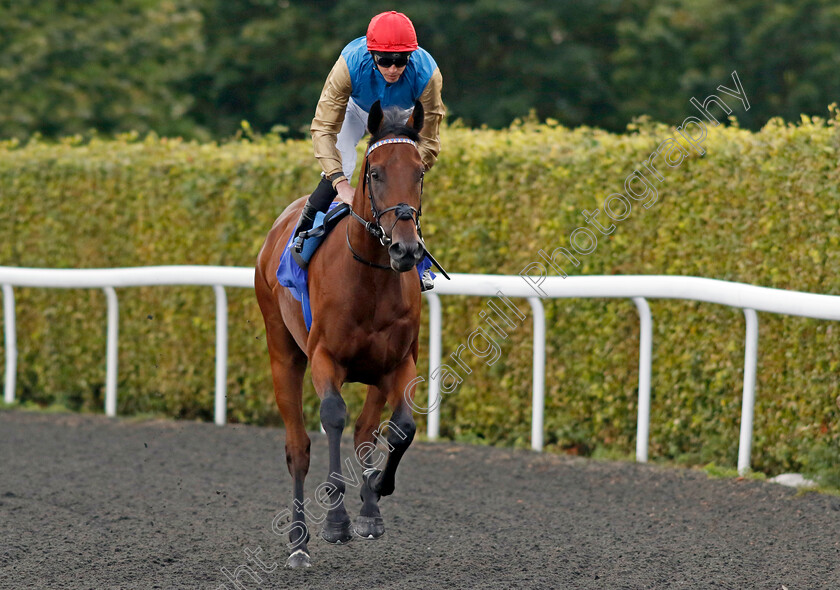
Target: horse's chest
{"x": 388, "y": 343}
{"x": 372, "y": 349}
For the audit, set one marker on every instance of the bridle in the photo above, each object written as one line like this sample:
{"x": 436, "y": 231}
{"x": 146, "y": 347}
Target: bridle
{"x": 402, "y": 211}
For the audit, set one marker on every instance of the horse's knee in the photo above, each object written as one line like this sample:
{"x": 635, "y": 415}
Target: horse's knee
{"x": 333, "y": 412}
{"x": 401, "y": 430}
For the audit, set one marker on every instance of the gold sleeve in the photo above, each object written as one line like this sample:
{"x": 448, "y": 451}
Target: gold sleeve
{"x": 433, "y": 113}
{"x": 329, "y": 115}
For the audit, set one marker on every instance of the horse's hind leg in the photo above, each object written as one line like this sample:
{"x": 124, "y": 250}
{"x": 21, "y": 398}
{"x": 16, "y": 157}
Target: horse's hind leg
{"x": 327, "y": 378}
{"x": 288, "y": 365}
{"x": 369, "y": 523}
{"x": 288, "y": 388}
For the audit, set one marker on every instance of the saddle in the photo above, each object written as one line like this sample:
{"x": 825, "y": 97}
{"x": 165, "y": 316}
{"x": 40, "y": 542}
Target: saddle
{"x": 323, "y": 225}
{"x": 292, "y": 267}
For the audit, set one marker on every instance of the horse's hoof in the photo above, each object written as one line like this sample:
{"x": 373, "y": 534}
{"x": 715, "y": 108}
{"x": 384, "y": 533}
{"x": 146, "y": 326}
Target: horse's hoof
{"x": 336, "y": 532}
{"x": 369, "y": 527}
{"x": 299, "y": 558}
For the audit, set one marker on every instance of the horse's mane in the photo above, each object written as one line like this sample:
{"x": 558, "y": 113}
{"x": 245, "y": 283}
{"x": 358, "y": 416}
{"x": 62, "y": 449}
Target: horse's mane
{"x": 392, "y": 125}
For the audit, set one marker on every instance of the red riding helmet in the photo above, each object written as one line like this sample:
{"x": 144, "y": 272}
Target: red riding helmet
{"x": 391, "y": 32}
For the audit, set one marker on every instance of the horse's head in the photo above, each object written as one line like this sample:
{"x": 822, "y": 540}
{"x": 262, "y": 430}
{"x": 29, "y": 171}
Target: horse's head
{"x": 393, "y": 182}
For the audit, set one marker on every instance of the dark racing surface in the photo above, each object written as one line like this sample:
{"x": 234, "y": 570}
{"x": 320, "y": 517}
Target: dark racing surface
{"x": 89, "y": 502}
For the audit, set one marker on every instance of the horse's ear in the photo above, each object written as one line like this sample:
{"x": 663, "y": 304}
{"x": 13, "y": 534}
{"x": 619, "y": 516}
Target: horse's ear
{"x": 375, "y": 118}
{"x": 415, "y": 121}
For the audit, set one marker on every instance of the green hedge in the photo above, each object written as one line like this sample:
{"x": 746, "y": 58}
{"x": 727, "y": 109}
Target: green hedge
{"x": 759, "y": 208}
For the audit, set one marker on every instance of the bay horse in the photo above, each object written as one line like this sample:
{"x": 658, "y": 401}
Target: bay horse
{"x": 365, "y": 327}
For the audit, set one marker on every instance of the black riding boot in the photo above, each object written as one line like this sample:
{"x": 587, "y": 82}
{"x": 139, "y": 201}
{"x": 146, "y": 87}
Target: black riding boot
{"x": 319, "y": 200}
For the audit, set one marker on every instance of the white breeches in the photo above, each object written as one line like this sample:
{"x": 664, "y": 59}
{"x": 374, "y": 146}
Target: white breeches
{"x": 352, "y": 131}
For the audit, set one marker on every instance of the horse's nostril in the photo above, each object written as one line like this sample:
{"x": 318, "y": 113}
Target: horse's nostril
{"x": 397, "y": 250}
{"x": 416, "y": 251}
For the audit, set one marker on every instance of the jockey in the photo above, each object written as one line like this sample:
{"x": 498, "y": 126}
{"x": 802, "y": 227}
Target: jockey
{"x": 386, "y": 65}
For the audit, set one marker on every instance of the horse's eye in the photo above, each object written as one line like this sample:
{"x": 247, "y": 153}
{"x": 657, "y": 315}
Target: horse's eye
{"x": 374, "y": 174}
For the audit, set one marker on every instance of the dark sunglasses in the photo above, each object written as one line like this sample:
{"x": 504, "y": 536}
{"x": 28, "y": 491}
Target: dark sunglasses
{"x": 386, "y": 62}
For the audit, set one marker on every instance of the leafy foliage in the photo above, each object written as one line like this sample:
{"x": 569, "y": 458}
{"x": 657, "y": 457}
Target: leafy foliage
{"x": 759, "y": 208}
{"x": 106, "y": 64}
{"x": 197, "y": 68}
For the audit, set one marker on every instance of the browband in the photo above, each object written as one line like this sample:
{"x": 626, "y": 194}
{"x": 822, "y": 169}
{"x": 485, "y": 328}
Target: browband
{"x": 391, "y": 140}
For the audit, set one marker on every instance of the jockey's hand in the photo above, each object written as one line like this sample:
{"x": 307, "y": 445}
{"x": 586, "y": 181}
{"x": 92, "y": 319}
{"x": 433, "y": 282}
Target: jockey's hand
{"x": 345, "y": 192}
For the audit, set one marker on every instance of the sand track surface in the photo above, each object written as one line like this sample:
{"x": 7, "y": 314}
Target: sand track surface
{"x": 91, "y": 502}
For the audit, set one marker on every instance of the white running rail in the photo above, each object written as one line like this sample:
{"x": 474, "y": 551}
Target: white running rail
{"x": 108, "y": 279}
{"x": 749, "y": 298}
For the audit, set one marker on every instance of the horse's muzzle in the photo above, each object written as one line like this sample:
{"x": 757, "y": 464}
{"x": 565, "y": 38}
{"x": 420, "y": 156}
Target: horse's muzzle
{"x": 405, "y": 255}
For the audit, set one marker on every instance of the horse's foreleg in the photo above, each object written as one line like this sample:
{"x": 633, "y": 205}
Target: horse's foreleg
{"x": 328, "y": 378}
{"x": 369, "y": 523}
{"x": 401, "y": 429}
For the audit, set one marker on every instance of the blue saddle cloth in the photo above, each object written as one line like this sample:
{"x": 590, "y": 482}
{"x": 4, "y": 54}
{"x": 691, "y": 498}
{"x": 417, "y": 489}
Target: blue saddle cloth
{"x": 295, "y": 278}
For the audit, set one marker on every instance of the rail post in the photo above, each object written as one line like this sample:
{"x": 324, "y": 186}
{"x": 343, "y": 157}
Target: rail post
{"x": 221, "y": 355}
{"x": 111, "y": 354}
{"x": 645, "y": 346}
{"x": 10, "y": 343}
{"x": 748, "y": 398}
{"x": 538, "y": 387}
{"x": 435, "y": 345}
